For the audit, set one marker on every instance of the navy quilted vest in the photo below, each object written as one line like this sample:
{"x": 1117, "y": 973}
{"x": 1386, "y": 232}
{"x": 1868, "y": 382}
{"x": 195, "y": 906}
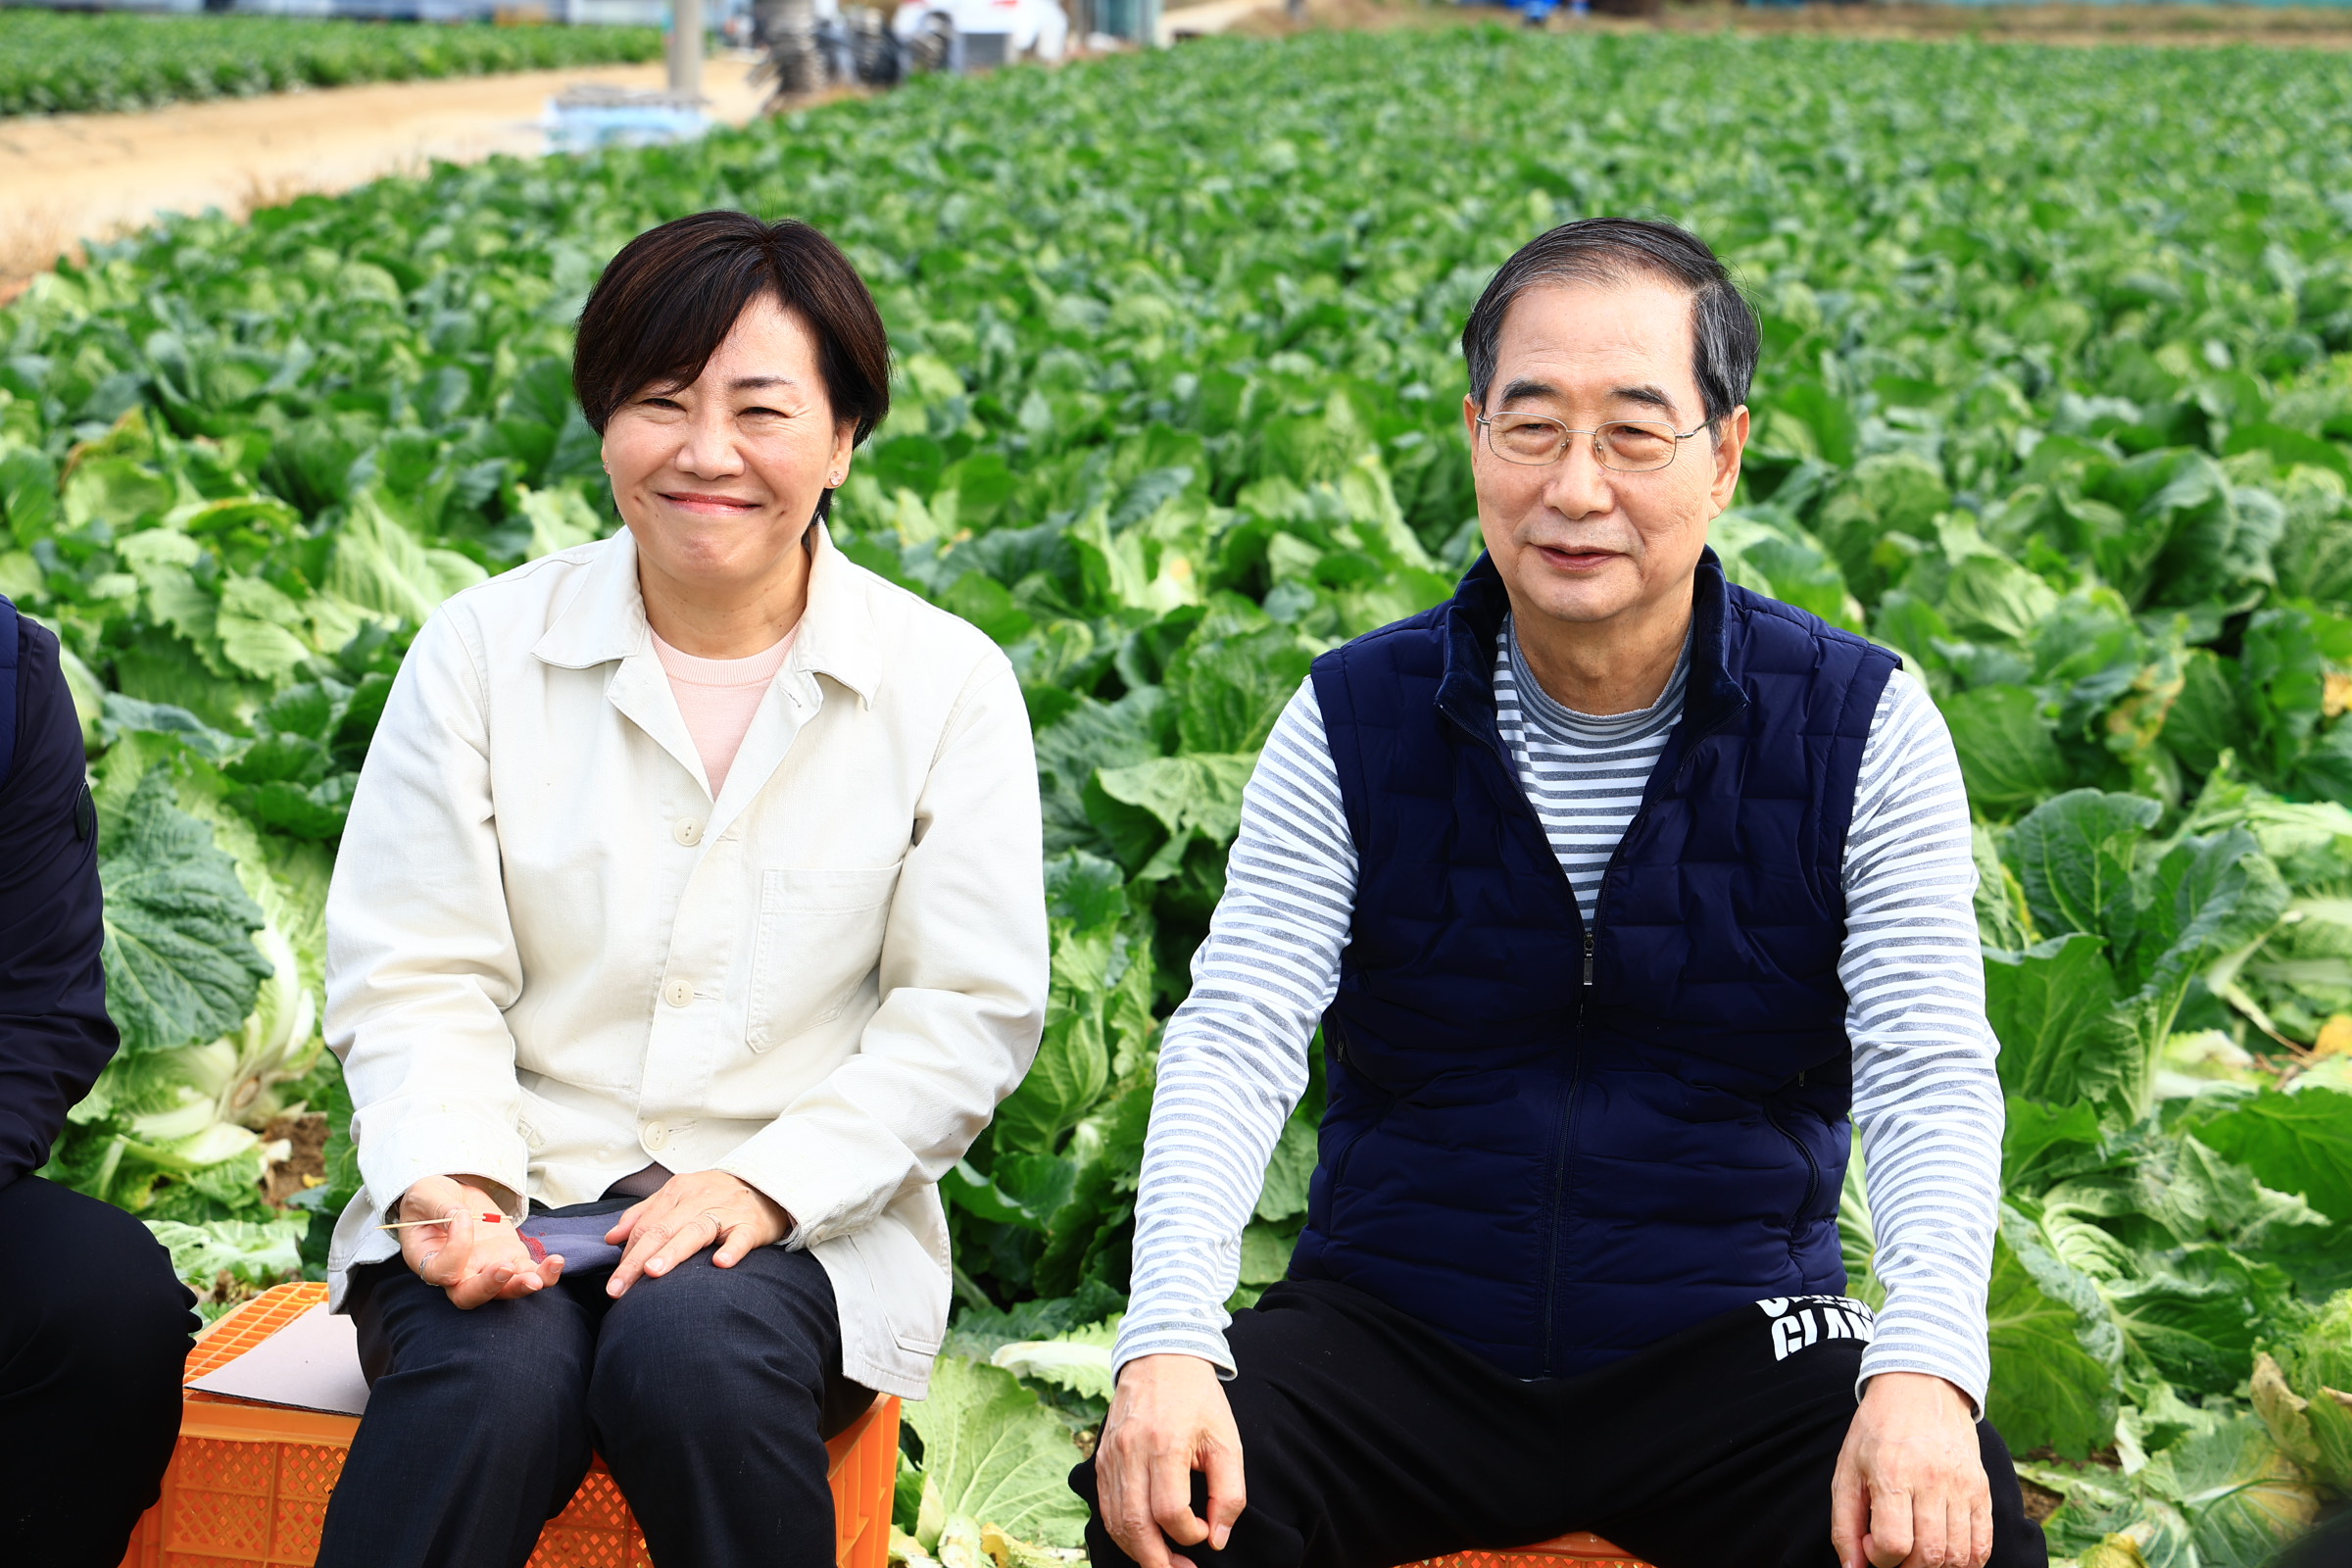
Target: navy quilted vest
{"x": 1558, "y": 1146}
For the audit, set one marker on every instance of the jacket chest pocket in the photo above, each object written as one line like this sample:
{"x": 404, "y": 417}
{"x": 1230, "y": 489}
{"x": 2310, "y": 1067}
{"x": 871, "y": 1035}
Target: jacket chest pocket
{"x": 819, "y": 936}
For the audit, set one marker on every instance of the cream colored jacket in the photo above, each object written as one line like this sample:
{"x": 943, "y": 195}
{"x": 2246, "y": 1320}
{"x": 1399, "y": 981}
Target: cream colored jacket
{"x": 553, "y": 958}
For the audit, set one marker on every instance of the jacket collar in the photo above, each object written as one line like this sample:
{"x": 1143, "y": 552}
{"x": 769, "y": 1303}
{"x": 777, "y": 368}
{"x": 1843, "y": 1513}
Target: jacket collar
{"x": 1472, "y": 622}
{"x": 837, "y": 629}
{"x": 606, "y": 619}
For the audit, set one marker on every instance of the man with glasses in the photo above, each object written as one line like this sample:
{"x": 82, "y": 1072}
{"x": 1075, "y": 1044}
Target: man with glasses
{"x": 1616, "y": 891}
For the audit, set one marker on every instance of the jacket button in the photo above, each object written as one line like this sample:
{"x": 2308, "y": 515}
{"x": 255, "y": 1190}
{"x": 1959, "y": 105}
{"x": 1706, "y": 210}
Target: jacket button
{"x": 678, "y": 992}
{"x": 687, "y": 831}
{"x": 656, "y": 1137}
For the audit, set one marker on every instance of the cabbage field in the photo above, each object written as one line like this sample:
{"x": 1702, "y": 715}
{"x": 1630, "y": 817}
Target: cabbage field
{"x": 59, "y": 63}
{"x": 2056, "y": 399}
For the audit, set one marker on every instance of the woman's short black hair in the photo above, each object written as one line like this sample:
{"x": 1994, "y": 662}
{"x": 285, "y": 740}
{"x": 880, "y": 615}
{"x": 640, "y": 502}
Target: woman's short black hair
{"x": 671, "y": 297}
{"x": 1724, "y": 335}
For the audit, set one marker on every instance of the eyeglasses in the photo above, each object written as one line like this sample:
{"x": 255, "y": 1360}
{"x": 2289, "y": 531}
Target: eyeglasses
{"x": 1628, "y": 446}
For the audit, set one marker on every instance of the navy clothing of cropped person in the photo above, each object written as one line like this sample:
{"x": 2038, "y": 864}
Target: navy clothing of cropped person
{"x": 94, "y": 1327}
{"x": 54, "y": 1032}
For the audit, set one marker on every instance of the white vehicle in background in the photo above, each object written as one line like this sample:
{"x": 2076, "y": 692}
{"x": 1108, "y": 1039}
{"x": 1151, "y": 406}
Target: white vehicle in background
{"x": 814, "y": 44}
{"x": 979, "y": 33}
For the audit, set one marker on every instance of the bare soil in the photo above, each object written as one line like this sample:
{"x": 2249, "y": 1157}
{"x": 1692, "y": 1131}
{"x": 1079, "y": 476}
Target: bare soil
{"x": 68, "y": 179}
{"x": 306, "y": 1166}
{"x": 2040, "y": 1501}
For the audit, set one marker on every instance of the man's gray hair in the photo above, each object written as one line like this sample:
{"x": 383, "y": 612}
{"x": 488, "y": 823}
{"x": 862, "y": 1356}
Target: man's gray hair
{"x": 1617, "y": 250}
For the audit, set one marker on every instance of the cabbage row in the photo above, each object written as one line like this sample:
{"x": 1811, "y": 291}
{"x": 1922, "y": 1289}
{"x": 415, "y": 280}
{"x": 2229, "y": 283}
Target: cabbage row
{"x": 2056, "y": 399}
{"x": 54, "y": 63}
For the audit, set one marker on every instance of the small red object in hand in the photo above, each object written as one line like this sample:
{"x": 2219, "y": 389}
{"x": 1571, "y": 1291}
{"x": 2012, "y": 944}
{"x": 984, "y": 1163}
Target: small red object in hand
{"x": 493, "y": 1217}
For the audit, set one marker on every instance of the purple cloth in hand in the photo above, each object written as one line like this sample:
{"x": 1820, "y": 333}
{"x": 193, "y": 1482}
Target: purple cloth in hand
{"x": 579, "y": 1239}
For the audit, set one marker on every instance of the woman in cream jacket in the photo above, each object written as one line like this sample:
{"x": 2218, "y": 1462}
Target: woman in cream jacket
{"x": 690, "y": 910}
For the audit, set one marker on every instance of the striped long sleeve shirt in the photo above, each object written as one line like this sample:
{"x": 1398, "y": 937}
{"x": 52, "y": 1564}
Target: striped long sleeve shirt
{"x": 1233, "y": 1061}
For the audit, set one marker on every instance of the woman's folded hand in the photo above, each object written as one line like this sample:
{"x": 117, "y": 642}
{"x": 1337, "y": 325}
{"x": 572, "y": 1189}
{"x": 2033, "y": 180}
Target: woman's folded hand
{"x": 689, "y": 1213}
{"x": 447, "y": 1246}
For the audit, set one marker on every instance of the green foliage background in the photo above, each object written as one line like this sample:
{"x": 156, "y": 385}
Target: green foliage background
{"x": 54, "y": 63}
{"x": 2055, "y": 399}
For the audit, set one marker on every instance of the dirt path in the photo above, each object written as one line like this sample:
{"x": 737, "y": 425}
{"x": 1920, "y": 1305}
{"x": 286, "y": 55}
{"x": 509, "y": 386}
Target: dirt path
{"x": 68, "y": 178}
{"x": 1199, "y": 18}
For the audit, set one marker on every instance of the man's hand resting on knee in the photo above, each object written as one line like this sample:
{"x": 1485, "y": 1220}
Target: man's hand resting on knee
{"x": 447, "y": 1245}
{"x": 1168, "y": 1418}
{"x": 1910, "y": 1487}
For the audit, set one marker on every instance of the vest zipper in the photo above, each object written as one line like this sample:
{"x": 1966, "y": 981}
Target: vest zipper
{"x": 1517, "y": 792}
{"x": 1576, "y": 1075}
{"x": 1600, "y": 889}
{"x": 1559, "y": 1180}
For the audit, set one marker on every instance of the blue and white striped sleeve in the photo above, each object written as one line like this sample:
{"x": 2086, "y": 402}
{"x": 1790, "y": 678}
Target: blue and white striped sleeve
{"x": 1925, "y": 1092}
{"x": 1233, "y": 1060}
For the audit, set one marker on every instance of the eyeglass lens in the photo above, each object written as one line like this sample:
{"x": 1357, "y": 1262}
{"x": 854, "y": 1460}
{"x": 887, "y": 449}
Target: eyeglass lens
{"x": 1631, "y": 446}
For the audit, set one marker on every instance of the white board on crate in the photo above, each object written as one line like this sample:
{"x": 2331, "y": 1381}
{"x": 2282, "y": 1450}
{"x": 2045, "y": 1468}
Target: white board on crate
{"x": 313, "y": 1363}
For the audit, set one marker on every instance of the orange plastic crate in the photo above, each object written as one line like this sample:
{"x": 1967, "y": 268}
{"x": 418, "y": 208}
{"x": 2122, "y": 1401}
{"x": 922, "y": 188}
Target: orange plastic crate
{"x": 249, "y": 1483}
{"x": 1580, "y": 1547}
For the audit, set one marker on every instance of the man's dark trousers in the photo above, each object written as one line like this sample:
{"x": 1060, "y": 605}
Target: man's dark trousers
{"x": 708, "y": 1392}
{"x": 94, "y": 1334}
{"x": 1368, "y": 1441}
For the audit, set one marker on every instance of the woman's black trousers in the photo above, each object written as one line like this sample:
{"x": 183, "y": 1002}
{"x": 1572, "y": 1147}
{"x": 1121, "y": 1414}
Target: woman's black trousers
{"x": 709, "y": 1393}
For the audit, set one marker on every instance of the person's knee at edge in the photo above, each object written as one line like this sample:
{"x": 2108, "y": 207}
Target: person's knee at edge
{"x": 122, "y": 1296}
